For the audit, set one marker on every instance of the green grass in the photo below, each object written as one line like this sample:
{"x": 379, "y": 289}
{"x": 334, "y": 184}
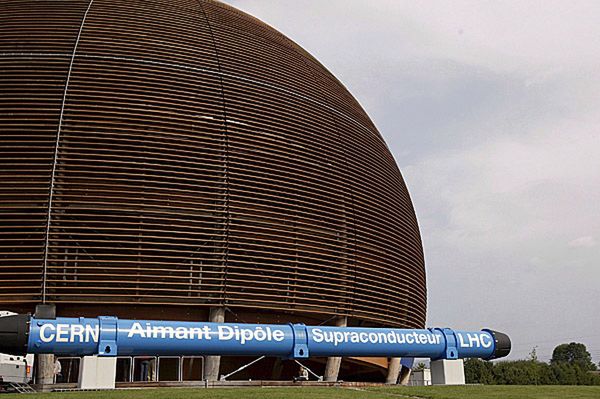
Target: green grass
{"x": 438, "y": 392}
{"x": 496, "y": 392}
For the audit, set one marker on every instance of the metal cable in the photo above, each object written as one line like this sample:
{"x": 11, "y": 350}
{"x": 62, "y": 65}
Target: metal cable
{"x": 53, "y": 173}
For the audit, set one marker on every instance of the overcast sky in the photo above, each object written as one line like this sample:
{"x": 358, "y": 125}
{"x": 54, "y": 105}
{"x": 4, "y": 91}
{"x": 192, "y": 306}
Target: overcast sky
{"x": 492, "y": 110}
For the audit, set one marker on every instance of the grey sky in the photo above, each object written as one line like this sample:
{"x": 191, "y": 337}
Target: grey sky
{"x": 492, "y": 110}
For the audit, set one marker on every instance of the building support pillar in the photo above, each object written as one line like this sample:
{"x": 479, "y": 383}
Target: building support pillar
{"x": 44, "y": 364}
{"x": 44, "y": 367}
{"x": 393, "y": 372}
{"x": 332, "y": 367}
{"x": 404, "y": 375}
{"x": 277, "y": 369}
{"x": 213, "y": 363}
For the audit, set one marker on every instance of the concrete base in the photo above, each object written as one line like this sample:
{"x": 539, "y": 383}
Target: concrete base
{"x": 97, "y": 372}
{"x": 448, "y": 372}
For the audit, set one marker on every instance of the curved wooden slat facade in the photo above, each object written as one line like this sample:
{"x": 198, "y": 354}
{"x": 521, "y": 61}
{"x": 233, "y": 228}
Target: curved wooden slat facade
{"x": 188, "y": 154}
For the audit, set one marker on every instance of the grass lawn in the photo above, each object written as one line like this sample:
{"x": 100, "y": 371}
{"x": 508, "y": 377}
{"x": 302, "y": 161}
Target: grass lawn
{"x": 438, "y": 392}
{"x": 496, "y": 392}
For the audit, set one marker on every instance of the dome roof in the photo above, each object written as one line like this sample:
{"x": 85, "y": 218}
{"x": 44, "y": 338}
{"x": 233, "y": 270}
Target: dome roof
{"x": 189, "y": 154}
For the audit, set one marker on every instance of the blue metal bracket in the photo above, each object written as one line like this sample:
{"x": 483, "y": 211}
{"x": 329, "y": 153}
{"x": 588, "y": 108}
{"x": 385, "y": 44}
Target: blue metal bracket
{"x": 300, "y": 349}
{"x": 451, "y": 349}
{"x": 107, "y": 336}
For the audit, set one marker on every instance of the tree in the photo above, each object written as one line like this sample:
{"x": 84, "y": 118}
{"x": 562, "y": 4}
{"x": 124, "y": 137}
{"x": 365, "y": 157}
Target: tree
{"x": 527, "y": 372}
{"x": 419, "y": 367}
{"x": 573, "y": 353}
{"x": 478, "y": 371}
{"x": 533, "y": 354}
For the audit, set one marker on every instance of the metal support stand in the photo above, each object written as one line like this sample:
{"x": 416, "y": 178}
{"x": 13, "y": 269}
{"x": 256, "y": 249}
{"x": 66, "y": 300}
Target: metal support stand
{"x": 318, "y": 377}
{"x": 224, "y": 377}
